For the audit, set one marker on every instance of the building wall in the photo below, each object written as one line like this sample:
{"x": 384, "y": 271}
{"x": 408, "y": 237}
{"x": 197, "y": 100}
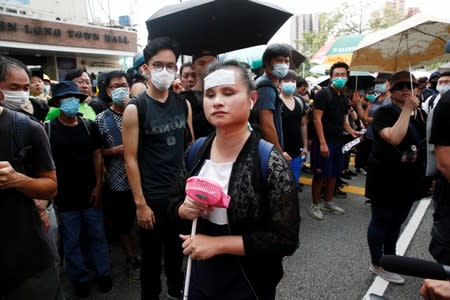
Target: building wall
{"x": 58, "y": 46}
{"x": 303, "y": 23}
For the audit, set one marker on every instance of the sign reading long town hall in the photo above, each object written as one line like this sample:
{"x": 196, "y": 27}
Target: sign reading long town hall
{"x": 28, "y": 30}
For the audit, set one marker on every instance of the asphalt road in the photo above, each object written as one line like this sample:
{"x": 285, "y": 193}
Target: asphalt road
{"x": 331, "y": 263}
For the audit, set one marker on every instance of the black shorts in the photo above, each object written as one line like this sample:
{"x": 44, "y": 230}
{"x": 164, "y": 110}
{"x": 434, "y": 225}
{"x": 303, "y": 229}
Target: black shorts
{"x": 120, "y": 208}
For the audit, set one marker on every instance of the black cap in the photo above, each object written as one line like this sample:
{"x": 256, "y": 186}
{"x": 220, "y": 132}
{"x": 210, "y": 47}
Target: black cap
{"x": 382, "y": 78}
{"x": 203, "y": 53}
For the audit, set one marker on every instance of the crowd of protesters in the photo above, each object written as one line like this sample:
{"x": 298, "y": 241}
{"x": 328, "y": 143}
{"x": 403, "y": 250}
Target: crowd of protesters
{"x": 77, "y": 166}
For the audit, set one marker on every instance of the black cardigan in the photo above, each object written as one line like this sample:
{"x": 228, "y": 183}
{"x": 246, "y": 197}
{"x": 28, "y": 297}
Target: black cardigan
{"x": 265, "y": 214}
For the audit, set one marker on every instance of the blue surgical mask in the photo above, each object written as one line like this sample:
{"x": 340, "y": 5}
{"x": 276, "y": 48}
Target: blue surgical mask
{"x": 119, "y": 94}
{"x": 370, "y": 97}
{"x": 380, "y": 88}
{"x": 288, "y": 88}
{"x": 339, "y": 82}
{"x": 442, "y": 88}
{"x": 70, "y": 106}
{"x": 280, "y": 70}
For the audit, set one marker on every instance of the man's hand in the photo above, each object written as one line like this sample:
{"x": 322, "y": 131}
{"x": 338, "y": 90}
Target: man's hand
{"x": 412, "y": 103}
{"x": 41, "y": 205}
{"x": 324, "y": 151}
{"x": 145, "y": 217}
{"x": 9, "y": 178}
{"x": 96, "y": 196}
{"x": 287, "y": 157}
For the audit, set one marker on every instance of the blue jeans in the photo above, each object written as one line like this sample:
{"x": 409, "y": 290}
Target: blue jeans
{"x": 384, "y": 229}
{"x": 92, "y": 220}
{"x": 296, "y": 167}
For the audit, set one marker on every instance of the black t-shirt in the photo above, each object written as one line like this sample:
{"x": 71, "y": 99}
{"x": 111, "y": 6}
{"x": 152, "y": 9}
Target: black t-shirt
{"x": 292, "y": 133}
{"x": 390, "y": 181}
{"x": 334, "y": 107}
{"x": 201, "y": 125}
{"x": 23, "y": 249}
{"x": 161, "y": 147}
{"x": 72, "y": 149}
{"x": 441, "y": 196}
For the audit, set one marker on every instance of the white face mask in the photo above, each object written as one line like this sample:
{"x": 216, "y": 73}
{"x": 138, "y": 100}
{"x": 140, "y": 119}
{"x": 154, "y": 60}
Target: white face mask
{"x": 162, "y": 80}
{"x": 442, "y": 88}
{"x": 15, "y": 100}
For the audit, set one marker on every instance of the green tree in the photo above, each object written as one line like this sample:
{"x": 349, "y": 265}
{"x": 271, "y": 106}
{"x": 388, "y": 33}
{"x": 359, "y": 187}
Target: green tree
{"x": 385, "y": 18}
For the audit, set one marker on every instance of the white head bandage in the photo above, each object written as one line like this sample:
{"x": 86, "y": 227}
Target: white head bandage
{"x": 219, "y": 77}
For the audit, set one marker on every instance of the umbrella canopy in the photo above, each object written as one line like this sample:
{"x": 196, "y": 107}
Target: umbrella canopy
{"x": 253, "y": 56}
{"x": 319, "y": 56}
{"x": 358, "y": 80}
{"x": 416, "y": 41}
{"x": 342, "y": 49}
{"x": 217, "y": 25}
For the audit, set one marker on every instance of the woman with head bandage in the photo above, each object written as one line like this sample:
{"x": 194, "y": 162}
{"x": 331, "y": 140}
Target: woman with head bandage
{"x": 237, "y": 251}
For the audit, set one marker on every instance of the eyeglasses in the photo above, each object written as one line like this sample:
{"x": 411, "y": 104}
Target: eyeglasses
{"x": 170, "y": 67}
{"x": 403, "y": 85}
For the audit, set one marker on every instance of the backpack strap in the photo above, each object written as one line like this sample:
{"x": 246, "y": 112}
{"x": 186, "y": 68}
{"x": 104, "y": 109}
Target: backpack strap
{"x": 264, "y": 150}
{"x": 431, "y": 102}
{"x": 48, "y": 128}
{"x": 87, "y": 124}
{"x": 20, "y": 132}
{"x": 141, "y": 106}
{"x": 192, "y": 152}
{"x": 300, "y": 102}
{"x": 20, "y": 129}
{"x": 113, "y": 128}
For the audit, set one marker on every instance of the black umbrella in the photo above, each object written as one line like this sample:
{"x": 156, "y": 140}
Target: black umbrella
{"x": 217, "y": 25}
{"x": 296, "y": 58}
{"x": 357, "y": 80}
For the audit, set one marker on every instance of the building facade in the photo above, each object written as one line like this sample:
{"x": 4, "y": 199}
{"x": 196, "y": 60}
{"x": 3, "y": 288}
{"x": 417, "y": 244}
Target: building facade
{"x": 303, "y": 23}
{"x": 59, "y": 39}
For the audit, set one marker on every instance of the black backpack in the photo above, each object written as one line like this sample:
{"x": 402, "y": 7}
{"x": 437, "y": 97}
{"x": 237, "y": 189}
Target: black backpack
{"x": 21, "y": 136}
{"x": 254, "y": 114}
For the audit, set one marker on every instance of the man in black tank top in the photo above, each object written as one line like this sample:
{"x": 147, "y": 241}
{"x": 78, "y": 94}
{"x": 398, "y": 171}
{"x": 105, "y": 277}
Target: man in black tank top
{"x": 154, "y": 127}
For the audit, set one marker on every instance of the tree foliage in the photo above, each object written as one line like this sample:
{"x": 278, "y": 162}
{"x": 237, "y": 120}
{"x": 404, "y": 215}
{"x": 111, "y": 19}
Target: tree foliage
{"x": 385, "y": 18}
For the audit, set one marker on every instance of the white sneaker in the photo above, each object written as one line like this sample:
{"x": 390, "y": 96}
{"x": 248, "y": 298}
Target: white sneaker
{"x": 330, "y": 207}
{"x": 316, "y": 212}
{"x": 386, "y": 275}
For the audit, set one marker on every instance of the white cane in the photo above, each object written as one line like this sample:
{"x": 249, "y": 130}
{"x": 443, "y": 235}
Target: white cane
{"x": 208, "y": 192}
{"x": 189, "y": 264}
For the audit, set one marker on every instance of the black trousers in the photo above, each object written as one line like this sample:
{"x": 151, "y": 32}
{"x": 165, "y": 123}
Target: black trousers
{"x": 160, "y": 243}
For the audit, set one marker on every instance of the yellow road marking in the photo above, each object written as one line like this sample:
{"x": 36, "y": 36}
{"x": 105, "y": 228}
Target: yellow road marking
{"x": 347, "y": 188}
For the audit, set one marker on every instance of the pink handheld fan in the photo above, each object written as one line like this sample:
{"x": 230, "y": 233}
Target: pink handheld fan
{"x": 206, "y": 191}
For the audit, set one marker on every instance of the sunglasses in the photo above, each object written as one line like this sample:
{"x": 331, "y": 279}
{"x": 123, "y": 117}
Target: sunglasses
{"x": 403, "y": 85}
